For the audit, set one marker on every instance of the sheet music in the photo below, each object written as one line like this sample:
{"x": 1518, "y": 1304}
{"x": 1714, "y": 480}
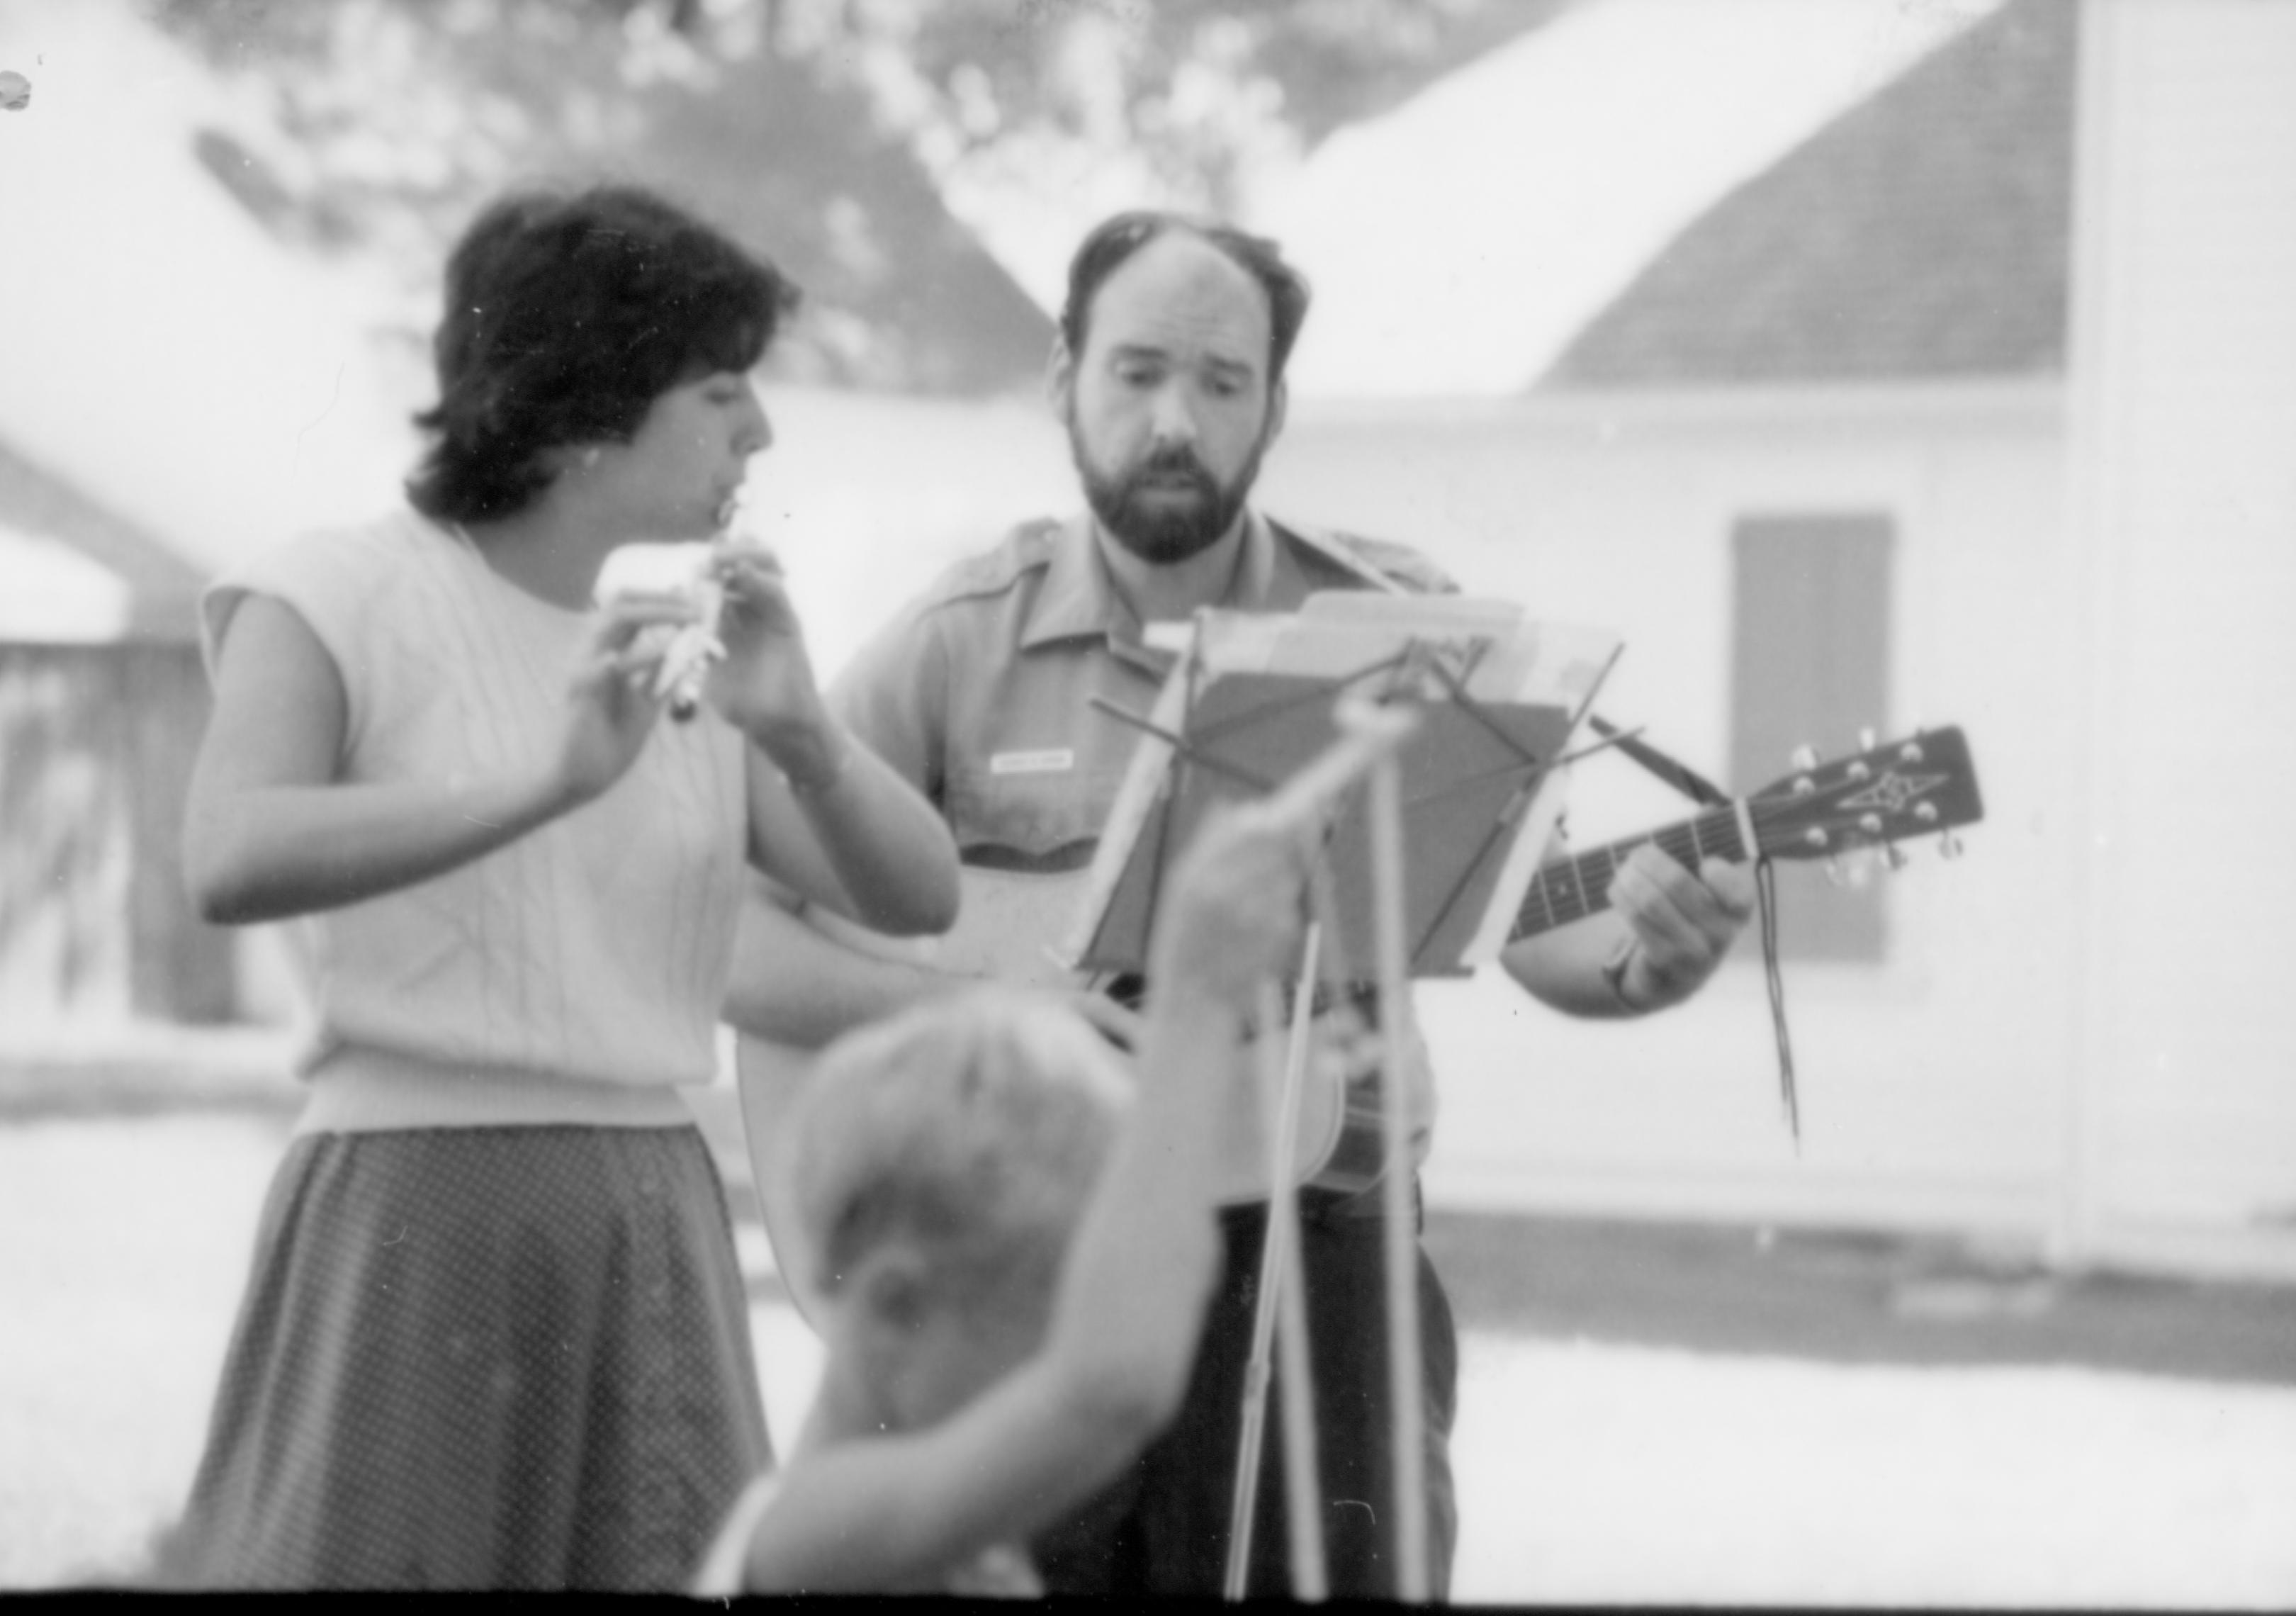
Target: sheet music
{"x": 1261, "y": 687}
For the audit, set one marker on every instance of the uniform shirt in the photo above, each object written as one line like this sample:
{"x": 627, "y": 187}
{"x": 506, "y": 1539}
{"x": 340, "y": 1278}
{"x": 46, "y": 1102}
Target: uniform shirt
{"x": 981, "y": 691}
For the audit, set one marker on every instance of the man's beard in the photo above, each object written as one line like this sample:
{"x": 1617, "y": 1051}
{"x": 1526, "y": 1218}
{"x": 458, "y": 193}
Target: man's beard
{"x": 1164, "y": 534}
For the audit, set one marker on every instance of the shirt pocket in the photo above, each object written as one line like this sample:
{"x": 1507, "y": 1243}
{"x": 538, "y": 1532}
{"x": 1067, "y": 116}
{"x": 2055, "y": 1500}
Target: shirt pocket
{"x": 1036, "y": 823}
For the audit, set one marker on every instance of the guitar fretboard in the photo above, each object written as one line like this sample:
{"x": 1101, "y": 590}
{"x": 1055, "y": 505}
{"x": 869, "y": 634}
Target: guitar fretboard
{"x": 1571, "y": 888}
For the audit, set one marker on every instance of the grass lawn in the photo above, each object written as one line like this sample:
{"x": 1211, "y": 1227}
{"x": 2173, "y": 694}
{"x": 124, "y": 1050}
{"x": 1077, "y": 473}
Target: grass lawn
{"x": 1648, "y": 1413}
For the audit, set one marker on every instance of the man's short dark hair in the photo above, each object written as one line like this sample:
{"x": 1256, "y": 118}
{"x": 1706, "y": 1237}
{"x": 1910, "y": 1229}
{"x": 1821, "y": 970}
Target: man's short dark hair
{"x": 567, "y": 316}
{"x": 1107, "y": 248}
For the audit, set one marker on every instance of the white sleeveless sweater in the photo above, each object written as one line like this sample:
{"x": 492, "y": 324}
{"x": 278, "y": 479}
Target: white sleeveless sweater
{"x": 574, "y": 975}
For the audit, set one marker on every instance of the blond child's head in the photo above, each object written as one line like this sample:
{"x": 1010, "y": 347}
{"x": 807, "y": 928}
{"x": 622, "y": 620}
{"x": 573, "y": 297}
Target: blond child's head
{"x": 937, "y": 1165}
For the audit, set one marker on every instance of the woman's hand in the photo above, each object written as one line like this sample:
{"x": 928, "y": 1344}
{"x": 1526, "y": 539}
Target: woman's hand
{"x": 764, "y": 685}
{"x": 611, "y": 707}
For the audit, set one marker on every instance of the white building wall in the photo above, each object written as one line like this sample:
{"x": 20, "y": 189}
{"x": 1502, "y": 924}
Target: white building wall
{"x": 2078, "y": 1032}
{"x": 1926, "y": 1082}
{"x": 2184, "y": 495}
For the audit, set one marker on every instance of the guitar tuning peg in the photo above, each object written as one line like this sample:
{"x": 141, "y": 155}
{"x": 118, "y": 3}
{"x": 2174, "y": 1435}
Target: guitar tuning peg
{"x": 1894, "y": 855}
{"x": 1835, "y": 874}
{"x": 1803, "y": 757}
{"x": 1949, "y": 845}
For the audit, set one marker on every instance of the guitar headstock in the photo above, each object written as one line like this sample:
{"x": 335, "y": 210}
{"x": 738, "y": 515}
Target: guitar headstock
{"x": 1920, "y": 786}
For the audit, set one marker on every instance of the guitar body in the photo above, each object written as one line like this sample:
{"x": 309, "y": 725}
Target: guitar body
{"x": 1010, "y": 924}
{"x": 769, "y": 1076}
{"x": 1008, "y": 928}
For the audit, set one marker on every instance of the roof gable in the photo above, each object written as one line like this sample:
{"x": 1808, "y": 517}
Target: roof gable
{"x": 160, "y": 586}
{"x": 1924, "y": 234}
{"x": 1458, "y": 244}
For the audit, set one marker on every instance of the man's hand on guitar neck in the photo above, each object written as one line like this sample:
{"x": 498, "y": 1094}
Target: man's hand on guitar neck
{"x": 1682, "y": 925}
{"x": 1665, "y": 933}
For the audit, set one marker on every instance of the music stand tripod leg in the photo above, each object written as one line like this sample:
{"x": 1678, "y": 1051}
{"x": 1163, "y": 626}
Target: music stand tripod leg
{"x": 1402, "y": 1235}
{"x": 1280, "y": 1309}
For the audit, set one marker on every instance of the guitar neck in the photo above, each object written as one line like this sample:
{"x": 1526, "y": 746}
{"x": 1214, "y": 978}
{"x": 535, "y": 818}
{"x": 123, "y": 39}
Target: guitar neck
{"x": 1571, "y": 888}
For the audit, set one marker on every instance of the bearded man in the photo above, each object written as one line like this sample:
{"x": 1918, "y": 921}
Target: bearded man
{"x": 988, "y": 693}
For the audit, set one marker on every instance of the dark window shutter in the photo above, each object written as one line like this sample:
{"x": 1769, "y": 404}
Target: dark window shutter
{"x": 1811, "y": 665}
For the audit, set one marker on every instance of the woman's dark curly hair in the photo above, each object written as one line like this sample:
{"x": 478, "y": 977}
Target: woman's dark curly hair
{"x": 567, "y": 316}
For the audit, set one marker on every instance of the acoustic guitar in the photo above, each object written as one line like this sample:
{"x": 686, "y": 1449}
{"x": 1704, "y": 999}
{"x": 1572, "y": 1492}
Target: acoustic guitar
{"x": 1009, "y": 924}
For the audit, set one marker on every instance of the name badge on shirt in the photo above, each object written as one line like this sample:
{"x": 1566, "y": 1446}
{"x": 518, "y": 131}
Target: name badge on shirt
{"x": 1056, "y": 761}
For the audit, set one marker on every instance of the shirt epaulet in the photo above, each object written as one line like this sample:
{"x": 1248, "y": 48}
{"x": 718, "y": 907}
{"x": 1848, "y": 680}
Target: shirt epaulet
{"x": 1406, "y": 566}
{"x": 988, "y": 572}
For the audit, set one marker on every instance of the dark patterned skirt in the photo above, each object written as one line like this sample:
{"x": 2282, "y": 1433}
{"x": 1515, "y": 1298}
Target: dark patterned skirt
{"x": 480, "y": 1358}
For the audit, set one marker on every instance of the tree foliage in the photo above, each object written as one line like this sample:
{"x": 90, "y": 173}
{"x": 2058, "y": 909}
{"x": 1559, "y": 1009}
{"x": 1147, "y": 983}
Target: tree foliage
{"x": 827, "y": 132}
{"x": 1193, "y": 91}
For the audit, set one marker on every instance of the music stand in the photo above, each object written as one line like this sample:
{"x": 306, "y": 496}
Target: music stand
{"x": 1427, "y": 882}
{"x": 1253, "y": 697}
